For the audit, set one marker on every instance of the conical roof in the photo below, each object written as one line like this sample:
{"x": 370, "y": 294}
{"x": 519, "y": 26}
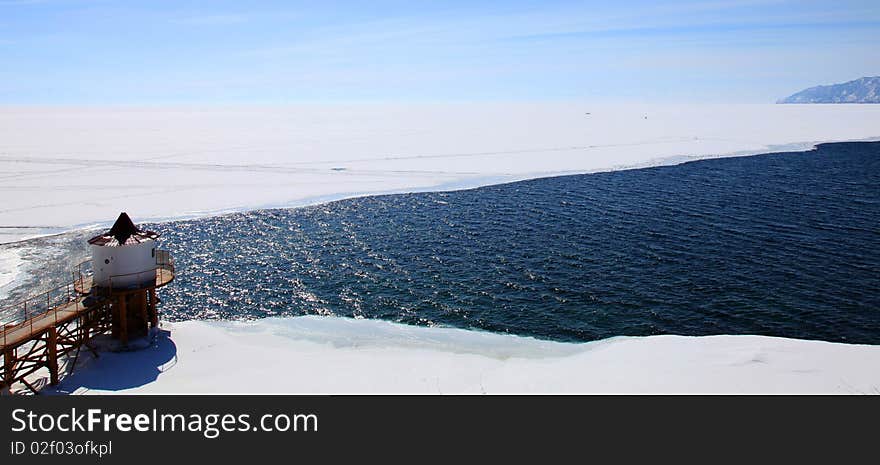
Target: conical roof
{"x": 123, "y": 232}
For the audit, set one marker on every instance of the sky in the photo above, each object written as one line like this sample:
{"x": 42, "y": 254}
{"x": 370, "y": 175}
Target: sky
{"x": 183, "y": 52}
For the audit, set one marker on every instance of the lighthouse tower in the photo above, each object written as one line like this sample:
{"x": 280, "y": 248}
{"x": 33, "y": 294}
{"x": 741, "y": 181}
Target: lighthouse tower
{"x": 118, "y": 295}
{"x": 127, "y": 268}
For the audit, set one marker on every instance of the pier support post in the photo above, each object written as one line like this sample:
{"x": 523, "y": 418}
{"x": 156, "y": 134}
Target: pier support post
{"x": 154, "y": 314}
{"x": 52, "y": 354}
{"x": 115, "y": 322}
{"x": 123, "y": 321}
{"x": 8, "y": 370}
{"x": 145, "y": 313}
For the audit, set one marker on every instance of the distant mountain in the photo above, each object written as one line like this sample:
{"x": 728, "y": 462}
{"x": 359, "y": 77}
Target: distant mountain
{"x": 864, "y": 90}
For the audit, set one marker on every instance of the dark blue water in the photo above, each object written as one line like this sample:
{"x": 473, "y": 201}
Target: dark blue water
{"x": 784, "y": 244}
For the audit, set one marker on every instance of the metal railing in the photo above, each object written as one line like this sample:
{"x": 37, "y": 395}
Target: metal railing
{"x": 164, "y": 262}
{"x": 48, "y": 304}
{"x": 39, "y": 307}
{"x": 83, "y": 273}
{"x": 164, "y": 259}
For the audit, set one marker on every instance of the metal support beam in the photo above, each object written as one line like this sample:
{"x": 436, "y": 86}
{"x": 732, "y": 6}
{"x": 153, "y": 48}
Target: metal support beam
{"x": 154, "y": 313}
{"x": 123, "y": 321}
{"x": 145, "y": 318}
{"x": 52, "y": 354}
{"x": 8, "y": 369}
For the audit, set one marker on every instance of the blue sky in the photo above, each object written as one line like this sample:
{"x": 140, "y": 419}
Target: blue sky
{"x": 166, "y": 52}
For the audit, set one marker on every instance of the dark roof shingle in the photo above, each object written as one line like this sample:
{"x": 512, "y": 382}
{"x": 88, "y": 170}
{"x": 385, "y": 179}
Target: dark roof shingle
{"x": 123, "y": 232}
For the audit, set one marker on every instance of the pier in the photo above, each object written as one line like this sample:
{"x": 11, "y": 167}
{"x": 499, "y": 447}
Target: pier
{"x": 58, "y": 324}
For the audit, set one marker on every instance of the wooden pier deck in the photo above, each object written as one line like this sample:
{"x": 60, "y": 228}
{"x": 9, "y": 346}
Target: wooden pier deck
{"x": 16, "y": 335}
{"x": 63, "y": 320}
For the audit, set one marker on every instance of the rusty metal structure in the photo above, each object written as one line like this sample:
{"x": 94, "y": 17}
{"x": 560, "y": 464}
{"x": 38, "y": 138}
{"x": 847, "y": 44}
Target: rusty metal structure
{"x": 58, "y": 324}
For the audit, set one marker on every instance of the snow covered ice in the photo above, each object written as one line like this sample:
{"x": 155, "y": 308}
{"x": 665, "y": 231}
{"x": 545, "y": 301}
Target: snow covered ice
{"x": 64, "y": 168}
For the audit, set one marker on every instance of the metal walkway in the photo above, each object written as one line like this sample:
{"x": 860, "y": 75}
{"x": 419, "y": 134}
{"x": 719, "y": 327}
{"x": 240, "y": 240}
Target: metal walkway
{"x": 62, "y": 321}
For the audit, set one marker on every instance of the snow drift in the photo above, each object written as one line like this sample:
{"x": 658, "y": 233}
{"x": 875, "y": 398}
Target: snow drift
{"x": 322, "y": 355}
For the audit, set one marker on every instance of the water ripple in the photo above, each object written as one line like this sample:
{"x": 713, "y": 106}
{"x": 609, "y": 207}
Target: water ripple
{"x": 780, "y": 244}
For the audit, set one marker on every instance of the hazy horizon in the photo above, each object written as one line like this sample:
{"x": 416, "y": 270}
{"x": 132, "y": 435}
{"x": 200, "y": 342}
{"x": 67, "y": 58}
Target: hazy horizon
{"x": 98, "y": 52}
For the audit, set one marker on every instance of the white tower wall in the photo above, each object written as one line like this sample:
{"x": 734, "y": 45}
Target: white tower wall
{"x": 128, "y": 265}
